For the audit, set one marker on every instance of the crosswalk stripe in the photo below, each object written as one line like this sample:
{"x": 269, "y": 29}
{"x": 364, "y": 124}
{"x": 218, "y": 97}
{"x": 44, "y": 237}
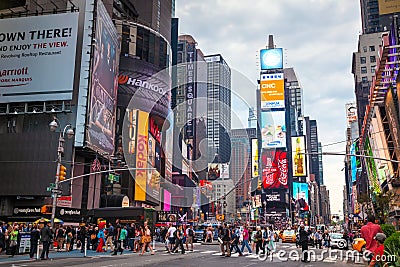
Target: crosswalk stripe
{"x": 208, "y": 251}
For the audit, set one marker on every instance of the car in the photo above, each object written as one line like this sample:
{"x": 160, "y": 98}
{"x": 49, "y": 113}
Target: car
{"x": 289, "y": 236}
{"x": 359, "y": 244}
{"x": 337, "y": 241}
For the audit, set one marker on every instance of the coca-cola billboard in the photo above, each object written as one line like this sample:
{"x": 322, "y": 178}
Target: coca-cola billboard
{"x": 274, "y": 169}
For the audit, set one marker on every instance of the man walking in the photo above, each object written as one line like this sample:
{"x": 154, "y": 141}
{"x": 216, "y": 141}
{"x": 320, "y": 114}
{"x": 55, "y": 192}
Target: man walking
{"x": 35, "y": 236}
{"x": 226, "y": 241}
{"x": 189, "y": 237}
{"x": 245, "y": 241}
{"x": 368, "y": 232}
{"x": 45, "y": 236}
{"x": 178, "y": 240}
{"x": 110, "y": 237}
{"x": 304, "y": 243}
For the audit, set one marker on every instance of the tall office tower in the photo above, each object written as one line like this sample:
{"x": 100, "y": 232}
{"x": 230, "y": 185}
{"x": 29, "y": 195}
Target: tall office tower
{"x": 219, "y": 108}
{"x": 240, "y": 167}
{"x": 376, "y": 15}
{"x": 363, "y": 69}
{"x": 296, "y": 101}
{"x": 190, "y": 86}
{"x": 321, "y": 169}
{"x": 325, "y": 205}
{"x": 312, "y": 148}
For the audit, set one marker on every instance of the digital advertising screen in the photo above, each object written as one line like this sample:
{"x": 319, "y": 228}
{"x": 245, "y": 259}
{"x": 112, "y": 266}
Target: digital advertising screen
{"x": 300, "y": 196}
{"x": 273, "y": 129}
{"x": 271, "y": 59}
{"x": 274, "y": 169}
{"x": 103, "y": 91}
{"x": 272, "y": 90}
{"x": 254, "y": 157}
{"x": 214, "y": 171}
{"x": 299, "y": 164}
{"x": 38, "y": 57}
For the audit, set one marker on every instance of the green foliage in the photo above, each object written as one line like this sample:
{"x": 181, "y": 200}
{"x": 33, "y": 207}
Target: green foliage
{"x": 392, "y": 249}
{"x": 388, "y": 229}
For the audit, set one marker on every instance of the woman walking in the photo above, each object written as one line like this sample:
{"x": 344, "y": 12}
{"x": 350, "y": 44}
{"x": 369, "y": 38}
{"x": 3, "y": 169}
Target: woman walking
{"x": 146, "y": 240}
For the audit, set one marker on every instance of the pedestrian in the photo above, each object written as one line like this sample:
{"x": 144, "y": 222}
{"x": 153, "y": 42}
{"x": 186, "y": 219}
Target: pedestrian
{"x": 258, "y": 239}
{"x": 60, "y": 237}
{"x": 117, "y": 243}
{"x": 303, "y": 240}
{"x": 110, "y": 237}
{"x": 235, "y": 241}
{"x": 179, "y": 240}
{"x": 101, "y": 237}
{"x": 368, "y": 232}
{"x": 14, "y": 240}
{"x": 147, "y": 240}
{"x": 123, "y": 233}
{"x": 82, "y": 237}
{"x": 271, "y": 239}
{"x": 171, "y": 236}
{"x": 327, "y": 239}
{"x": 2, "y": 238}
{"x": 189, "y": 237}
{"x": 318, "y": 239}
{"x": 226, "y": 241}
{"x": 46, "y": 236}
{"x": 34, "y": 239}
{"x": 377, "y": 258}
{"x": 131, "y": 236}
{"x": 245, "y": 242}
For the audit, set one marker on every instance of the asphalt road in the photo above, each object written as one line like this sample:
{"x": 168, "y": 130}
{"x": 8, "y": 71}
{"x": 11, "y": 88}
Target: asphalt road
{"x": 203, "y": 255}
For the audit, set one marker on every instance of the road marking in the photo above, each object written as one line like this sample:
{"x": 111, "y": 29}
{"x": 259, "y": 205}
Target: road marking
{"x": 208, "y": 251}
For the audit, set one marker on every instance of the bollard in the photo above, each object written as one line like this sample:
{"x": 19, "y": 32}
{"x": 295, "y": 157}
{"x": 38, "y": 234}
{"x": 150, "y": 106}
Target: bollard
{"x": 84, "y": 255}
{"x": 37, "y": 250}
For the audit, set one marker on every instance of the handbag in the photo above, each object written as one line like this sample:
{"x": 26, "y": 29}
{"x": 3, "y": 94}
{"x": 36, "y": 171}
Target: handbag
{"x": 13, "y": 243}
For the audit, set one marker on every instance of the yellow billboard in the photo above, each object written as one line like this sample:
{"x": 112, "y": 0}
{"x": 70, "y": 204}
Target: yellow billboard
{"x": 272, "y": 90}
{"x": 254, "y": 158}
{"x": 298, "y": 156}
{"x": 389, "y": 6}
{"x": 141, "y": 155}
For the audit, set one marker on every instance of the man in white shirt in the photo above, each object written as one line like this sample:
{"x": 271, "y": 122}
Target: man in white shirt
{"x": 170, "y": 236}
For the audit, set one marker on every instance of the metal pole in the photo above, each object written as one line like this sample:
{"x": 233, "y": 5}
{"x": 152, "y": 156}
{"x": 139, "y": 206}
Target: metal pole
{"x": 37, "y": 249}
{"x": 54, "y": 195}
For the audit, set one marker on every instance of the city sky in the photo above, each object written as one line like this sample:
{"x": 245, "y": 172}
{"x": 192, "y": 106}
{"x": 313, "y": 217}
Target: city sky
{"x": 318, "y": 38}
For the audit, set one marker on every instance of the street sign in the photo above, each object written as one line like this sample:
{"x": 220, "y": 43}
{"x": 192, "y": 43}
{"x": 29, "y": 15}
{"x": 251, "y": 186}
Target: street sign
{"x": 56, "y": 191}
{"x": 52, "y": 185}
{"x": 48, "y": 189}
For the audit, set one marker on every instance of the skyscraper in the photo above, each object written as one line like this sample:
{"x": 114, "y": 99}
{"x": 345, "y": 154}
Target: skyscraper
{"x": 295, "y": 100}
{"x": 376, "y": 15}
{"x": 219, "y": 108}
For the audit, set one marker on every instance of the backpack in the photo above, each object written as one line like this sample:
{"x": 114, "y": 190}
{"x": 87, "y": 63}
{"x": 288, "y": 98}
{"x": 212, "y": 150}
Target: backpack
{"x": 190, "y": 232}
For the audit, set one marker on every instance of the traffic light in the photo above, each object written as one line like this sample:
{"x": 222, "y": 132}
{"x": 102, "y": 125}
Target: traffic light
{"x": 62, "y": 173}
{"x": 259, "y": 185}
{"x": 46, "y": 209}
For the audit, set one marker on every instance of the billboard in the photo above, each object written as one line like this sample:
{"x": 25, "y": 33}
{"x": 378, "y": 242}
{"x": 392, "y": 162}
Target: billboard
{"x": 274, "y": 169}
{"x": 38, "y": 57}
{"x": 371, "y": 166}
{"x": 273, "y": 196}
{"x": 254, "y": 157}
{"x": 214, "y": 172}
{"x": 271, "y": 58}
{"x": 273, "y": 129}
{"x": 388, "y": 7}
{"x": 272, "y": 90}
{"x": 224, "y": 171}
{"x": 393, "y": 119}
{"x": 299, "y": 164}
{"x": 300, "y": 196}
{"x": 354, "y": 162}
{"x": 153, "y": 185}
{"x": 103, "y": 87}
{"x": 141, "y": 155}
{"x": 190, "y": 89}
{"x": 351, "y": 113}
{"x": 167, "y": 200}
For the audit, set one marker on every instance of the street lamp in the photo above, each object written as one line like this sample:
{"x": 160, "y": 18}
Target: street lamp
{"x": 60, "y": 151}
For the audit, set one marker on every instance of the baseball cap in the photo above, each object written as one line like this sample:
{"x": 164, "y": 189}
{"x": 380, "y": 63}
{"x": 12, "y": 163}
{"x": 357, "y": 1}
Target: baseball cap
{"x": 380, "y": 237}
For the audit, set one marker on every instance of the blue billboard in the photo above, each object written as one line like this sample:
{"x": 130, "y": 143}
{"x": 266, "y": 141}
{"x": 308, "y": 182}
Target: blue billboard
{"x": 353, "y": 162}
{"x": 271, "y": 59}
{"x": 300, "y": 196}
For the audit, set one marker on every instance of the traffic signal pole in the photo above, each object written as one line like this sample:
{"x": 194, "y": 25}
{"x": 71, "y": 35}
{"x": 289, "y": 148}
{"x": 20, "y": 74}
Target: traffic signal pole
{"x": 60, "y": 151}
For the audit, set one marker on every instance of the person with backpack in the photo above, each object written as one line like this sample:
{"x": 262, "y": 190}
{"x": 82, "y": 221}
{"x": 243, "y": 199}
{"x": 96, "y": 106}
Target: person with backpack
{"x": 178, "y": 240}
{"x": 189, "y": 237}
{"x": 226, "y": 241}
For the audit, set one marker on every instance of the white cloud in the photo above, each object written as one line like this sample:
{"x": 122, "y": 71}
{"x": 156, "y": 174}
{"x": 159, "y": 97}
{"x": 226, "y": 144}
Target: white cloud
{"x": 318, "y": 36}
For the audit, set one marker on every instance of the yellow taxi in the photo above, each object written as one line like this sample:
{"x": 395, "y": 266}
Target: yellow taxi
{"x": 289, "y": 236}
{"x": 359, "y": 244}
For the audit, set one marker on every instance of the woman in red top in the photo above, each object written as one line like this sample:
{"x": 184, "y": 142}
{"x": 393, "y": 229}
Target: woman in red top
{"x": 379, "y": 251}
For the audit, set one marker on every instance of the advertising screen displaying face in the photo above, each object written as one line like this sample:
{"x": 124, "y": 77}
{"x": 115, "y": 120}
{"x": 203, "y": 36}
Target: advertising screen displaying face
{"x": 103, "y": 91}
{"x": 271, "y": 59}
{"x": 38, "y": 57}
{"x": 300, "y": 195}
{"x": 273, "y": 129}
{"x": 274, "y": 169}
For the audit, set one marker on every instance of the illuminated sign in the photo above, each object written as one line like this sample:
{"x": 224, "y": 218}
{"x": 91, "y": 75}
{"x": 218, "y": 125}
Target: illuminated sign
{"x": 273, "y": 129}
{"x": 274, "y": 169}
{"x": 272, "y": 90}
{"x": 388, "y": 7}
{"x": 190, "y": 90}
{"x": 351, "y": 113}
{"x": 254, "y": 158}
{"x": 141, "y": 156}
{"x": 271, "y": 59}
{"x": 300, "y": 196}
{"x": 154, "y": 130}
{"x": 298, "y": 156}
{"x": 38, "y": 57}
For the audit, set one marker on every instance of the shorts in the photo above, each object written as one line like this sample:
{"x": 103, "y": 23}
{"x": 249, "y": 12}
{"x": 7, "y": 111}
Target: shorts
{"x": 189, "y": 240}
{"x": 171, "y": 240}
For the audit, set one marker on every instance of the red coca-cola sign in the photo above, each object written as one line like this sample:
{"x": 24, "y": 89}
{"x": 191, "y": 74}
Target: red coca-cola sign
{"x": 274, "y": 169}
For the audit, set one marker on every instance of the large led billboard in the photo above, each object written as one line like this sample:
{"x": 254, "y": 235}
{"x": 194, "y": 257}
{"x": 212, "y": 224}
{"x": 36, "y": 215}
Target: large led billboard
{"x": 272, "y": 90}
{"x": 254, "y": 157}
{"x": 274, "y": 169}
{"x": 37, "y": 57}
{"x": 273, "y": 129}
{"x": 103, "y": 90}
{"x": 300, "y": 196}
{"x": 141, "y": 174}
{"x": 214, "y": 171}
{"x": 271, "y": 59}
{"x": 299, "y": 164}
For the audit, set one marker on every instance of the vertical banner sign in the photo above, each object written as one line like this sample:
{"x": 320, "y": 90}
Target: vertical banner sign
{"x": 351, "y": 113}
{"x": 103, "y": 87}
{"x": 190, "y": 89}
{"x": 141, "y": 156}
{"x": 298, "y": 156}
{"x": 254, "y": 158}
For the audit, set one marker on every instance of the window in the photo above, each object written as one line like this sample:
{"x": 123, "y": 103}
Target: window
{"x": 364, "y": 79}
{"x": 371, "y": 48}
{"x": 363, "y": 60}
{"x": 372, "y": 59}
{"x": 373, "y": 69}
{"x": 365, "y": 49}
{"x": 363, "y": 69}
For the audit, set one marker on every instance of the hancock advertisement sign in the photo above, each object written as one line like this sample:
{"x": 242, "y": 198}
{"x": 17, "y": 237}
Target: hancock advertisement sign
{"x": 37, "y": 57}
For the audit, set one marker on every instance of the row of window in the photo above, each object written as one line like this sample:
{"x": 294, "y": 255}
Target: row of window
{"x": 364, "y": 69}
{"x": 372, "y": 59}
{"x": 371, "y": 48}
